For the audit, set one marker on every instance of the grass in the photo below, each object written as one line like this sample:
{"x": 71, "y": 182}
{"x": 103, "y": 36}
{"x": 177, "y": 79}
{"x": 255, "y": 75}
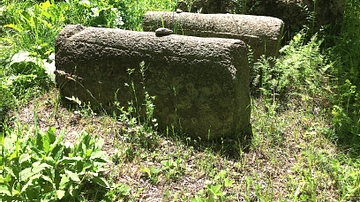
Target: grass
{"x": 289, "y": 159}
{"x": 305, "y": 123}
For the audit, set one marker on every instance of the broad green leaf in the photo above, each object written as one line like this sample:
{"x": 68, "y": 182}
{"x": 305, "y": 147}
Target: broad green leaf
{"x": 15, "y": 192}
{"x": 39, "y": 140}
{"x": 73, "y": 176}
{"x": 101, "y": 169}
{"x": 99, "y": 143}
{"x": 154, "y": 170}
{"x": 100, "y": 156}
{"x": 29, "y": 183}
{"x": 101, "y": 181}
{"x": 47, "y": 178}
{"x": 24, "y": 157}
{"x": 71, "y": 189}
{"x": 59, "y": 138}
{"x": 124, "y": 189}
{"x": 92, "y": 174}
{"x": 50, "y": 161}
{"x": 4, "y": 190}
{"x": 57, "y": 153}
{"x": 37, "y": 153}
{"x": 38, "y": 167}
{"x": 22, "y": 57}
{"x": 146, "y": 170}
{"x": 56, "y": 147}
{"x": 12, "y": 156}
{"x": 51, "y": 134}
{"x": 46, "y": 142}
{"x": 83, "y": 150}
{"x": 228, "y": 182}
{"x": 10, "y": 171}
{"x": 216, "y": 190}
{"x": 87, "y": 165}
{"x": 68, "y": 160}
{"x": 88, "y": 152}
{"x": 63, "y": 182}
{"x": 25, "y": 174}
{"x": 60, "y": 194}
{"x": 222, "y": 174}
{"x": 86, "y": 140}
{"x": 197, "y": 199}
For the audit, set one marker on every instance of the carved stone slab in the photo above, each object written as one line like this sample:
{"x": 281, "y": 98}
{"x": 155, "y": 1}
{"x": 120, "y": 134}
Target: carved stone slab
{"x": 262, "y": 33}
{"x": 201, "y": 85}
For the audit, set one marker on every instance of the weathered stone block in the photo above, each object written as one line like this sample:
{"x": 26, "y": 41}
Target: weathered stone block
{"x": 295, "y": 13}
{"x": 201, "y": 85}
{"x": 262, "y": 33}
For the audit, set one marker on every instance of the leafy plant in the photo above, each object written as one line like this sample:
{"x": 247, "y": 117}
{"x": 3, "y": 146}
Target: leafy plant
{"x": 120, "y": 192}
{"x": 301, "y": 71}
{"x": 133, "y": 11}
{"x": 32, "y": 27}
{"x": 93, "y": 13}
{"x": 138, "y": 115}
{"x": 43, "y": 166}
{"x": 172, "y": 169}
{"x": 21, "y": 74}
{"x": 151, "y": 173}
{"x": 27, "y": 46}
{"x": 215, "y": 191}
{"x": 345, "y": 98}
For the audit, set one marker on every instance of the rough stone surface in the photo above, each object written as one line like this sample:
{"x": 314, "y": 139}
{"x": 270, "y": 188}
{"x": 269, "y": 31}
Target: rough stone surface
{"x": 263, "y": 34}
{"x": 295, "y": 13}
{"x": 201, "y": 85}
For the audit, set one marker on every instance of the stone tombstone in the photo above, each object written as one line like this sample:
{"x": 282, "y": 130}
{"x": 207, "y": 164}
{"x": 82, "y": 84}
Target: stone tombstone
{"x": 295, "y": 13}
{"x": 201, "y": 85}
{"x": 263, "y": 34}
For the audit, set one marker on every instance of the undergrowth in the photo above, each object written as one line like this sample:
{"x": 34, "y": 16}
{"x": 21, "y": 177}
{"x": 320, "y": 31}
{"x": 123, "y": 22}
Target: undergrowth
{"x": 41, "y": 166}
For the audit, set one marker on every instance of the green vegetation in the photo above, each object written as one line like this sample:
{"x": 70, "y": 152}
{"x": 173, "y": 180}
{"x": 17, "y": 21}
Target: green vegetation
{"x": 43, "y": 165}
{"x": 306, "y": 122}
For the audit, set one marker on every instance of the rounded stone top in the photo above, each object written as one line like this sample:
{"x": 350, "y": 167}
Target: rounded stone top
{"x": 163, "y": 32}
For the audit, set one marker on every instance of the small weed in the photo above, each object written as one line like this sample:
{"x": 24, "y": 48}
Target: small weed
{"x": 120, "y": 193}
{"x": 216, "y": 190}
{"x": 173, "y": 169}
{"x": 151, "y": 173}
{"x": 139, "y": 116}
